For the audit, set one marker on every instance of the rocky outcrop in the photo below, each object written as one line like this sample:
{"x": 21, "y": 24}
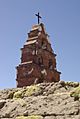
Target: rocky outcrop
{"x": 59, "y": 100}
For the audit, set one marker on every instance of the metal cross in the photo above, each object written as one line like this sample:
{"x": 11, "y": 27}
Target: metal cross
{"x": 38, "y": 17}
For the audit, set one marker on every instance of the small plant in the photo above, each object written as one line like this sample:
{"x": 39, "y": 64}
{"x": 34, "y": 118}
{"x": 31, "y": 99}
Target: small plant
{"x": 10, "y": 95}
{"x": 31, "y": 90}
{"x": 28, "y": 91}
{"x": 76, "y": 93}
{"x": 72, "y": 84}
{"x": 76, "y": 97}
{"x": 17, "y": 94}
{"x": 29, "y": 117}
{"x": 21, "y": 117}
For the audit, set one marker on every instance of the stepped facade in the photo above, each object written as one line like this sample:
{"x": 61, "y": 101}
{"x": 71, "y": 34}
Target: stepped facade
{"x": 38, "y": 60}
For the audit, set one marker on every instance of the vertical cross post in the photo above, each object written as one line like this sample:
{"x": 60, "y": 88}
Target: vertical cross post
{"x": 39, "y": 17}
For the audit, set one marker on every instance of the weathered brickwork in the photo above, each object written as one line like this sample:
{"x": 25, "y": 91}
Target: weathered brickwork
{"x": 38, "y": 61}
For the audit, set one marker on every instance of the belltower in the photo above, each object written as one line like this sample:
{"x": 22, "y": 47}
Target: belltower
{"x": 38, "y": 60}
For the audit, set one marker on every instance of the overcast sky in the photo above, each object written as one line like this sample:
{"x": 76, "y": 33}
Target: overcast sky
{"x": 62, "y": 22}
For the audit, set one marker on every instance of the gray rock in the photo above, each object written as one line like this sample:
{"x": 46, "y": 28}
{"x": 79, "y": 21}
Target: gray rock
{"x": 2, "y": 102}
{"x": 62, "y": 83}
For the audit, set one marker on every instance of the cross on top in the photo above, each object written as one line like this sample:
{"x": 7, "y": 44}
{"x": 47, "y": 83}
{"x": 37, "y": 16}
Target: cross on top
{"x": 39, "y": 17}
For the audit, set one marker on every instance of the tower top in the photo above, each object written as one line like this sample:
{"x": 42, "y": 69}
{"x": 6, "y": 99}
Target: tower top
{"x": 39, "y": 17}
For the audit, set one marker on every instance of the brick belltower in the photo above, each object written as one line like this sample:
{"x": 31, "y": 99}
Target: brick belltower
{"x": 38, "y": 61}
